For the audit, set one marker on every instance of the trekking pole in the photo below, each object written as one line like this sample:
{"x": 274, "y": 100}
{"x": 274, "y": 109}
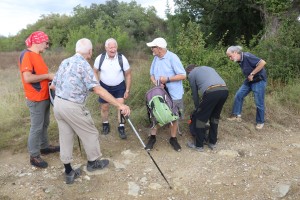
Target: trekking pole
{"x": 136, "y": 133}
{"x": 79, "y": 145}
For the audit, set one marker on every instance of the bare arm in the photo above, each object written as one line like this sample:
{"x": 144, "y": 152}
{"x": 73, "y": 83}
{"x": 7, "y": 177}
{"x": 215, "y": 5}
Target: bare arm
{"x": 153, "y": 80}
{"x": 257, "y": 69}
{"x": 177, "y": 77}
{"x": 128, "y": 83}
{"x": 34, "y": 78}
{"x": 110, "y": 99}
{"x": 97, "y": 74}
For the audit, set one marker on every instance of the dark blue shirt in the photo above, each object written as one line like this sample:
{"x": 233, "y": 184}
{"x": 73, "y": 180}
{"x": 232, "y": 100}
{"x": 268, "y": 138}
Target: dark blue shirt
{"x": 248, "y": 63}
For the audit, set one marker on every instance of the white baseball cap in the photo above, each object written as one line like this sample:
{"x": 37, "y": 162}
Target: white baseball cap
{"x": 158, "y": 42}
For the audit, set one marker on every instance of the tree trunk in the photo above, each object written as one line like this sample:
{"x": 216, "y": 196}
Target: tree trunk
{"x": 272, "y": 24}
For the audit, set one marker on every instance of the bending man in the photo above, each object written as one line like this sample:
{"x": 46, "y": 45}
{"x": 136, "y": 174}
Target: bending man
{"x": 214, "y": 94}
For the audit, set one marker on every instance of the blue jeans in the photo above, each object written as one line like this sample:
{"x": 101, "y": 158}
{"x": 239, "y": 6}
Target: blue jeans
{"x": 258, "y": 90}
{"x": 40, "y": 119}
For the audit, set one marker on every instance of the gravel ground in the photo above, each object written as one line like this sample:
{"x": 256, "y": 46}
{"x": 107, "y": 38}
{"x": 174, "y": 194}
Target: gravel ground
{"x": 247, "y": 164}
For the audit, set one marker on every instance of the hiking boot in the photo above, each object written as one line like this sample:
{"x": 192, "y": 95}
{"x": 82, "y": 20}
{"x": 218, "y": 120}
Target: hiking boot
{"x": 122, "y": 133}
{"x": 237, "y": 118}
{"x": 97, "y": 165}
{"x": 211, "y": 146}
{"x": 50, "y": 149}
{"x": 194, "y": 147}
{"x": 174, "y": 143}
{"x": 70, "y": 177}
{"x": 151, "y": 142}
{"x": 37, "y": 161}
{"x": 106, "y": 128}
{"x": 259, "y": 126}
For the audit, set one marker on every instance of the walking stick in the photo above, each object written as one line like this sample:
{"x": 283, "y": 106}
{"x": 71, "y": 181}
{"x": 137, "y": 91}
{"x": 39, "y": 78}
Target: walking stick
{"x": 138, "y": 136}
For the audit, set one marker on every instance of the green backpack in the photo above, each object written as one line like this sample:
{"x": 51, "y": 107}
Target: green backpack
{"x": 160, "y": 107}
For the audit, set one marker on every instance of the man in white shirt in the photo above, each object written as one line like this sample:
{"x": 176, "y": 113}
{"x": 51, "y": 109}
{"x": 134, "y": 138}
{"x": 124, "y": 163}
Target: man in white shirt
{"x": 113, "y": 71}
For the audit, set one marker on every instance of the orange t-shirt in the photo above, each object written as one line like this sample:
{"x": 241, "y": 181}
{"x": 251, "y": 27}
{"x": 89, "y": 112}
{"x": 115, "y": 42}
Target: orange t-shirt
{"x": 34, "y": 63}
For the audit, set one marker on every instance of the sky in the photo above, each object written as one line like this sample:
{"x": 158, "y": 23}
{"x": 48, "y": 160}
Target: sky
{"x": 15, "y": 15}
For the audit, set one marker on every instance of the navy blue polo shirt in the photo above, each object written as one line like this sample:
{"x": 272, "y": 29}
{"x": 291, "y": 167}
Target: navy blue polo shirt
{"x": 248, "y": 63}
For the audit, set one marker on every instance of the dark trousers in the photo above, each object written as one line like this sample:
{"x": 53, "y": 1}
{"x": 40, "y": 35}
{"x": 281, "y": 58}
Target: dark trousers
{"x": 210, "y": 109}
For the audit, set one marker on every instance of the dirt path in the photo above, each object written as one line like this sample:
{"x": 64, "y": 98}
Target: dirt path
{"x": 247, "y": 164}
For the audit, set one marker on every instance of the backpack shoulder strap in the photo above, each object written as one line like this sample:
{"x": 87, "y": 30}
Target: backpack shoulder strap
{"x": 101, "y": 60}
{"x": 120, "y": 59}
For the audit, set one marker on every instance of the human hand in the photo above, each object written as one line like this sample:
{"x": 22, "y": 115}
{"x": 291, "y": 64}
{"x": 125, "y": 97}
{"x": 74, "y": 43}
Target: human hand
{"x": 125, "y": 110}
{"x": 250, "y": 77}
{"x": 163, "y": 79}
{"x": 126, "y": 94}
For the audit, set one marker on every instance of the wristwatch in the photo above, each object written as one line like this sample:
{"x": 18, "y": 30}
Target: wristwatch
{"x": 168, "y": 80}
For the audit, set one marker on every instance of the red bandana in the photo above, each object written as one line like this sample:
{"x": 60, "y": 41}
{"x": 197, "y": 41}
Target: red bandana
{"x": 36, "y": 38}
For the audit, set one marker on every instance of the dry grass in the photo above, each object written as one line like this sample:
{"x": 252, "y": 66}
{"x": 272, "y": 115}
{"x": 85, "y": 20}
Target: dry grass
{"x": 282, "y": 105}
{"x": 14, "y": 114}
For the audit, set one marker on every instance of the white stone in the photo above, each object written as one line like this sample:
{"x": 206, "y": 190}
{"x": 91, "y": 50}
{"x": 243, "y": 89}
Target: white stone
{"x": 133, "y": 189}
{"x": 154, "y": 186}
{"x": 283, "y": 189}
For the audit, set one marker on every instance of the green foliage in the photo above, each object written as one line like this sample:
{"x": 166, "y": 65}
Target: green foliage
{"x": 281, "y": 52}
{"x": 127, "y": 21}
{"x": 276, "y": 7}
{"x": 55, "y": 25}
{"x": 75, "y": 35}
{"x": 98, "y": 38}
{"x": 219, "y": 17}
{"x": 290, "y": 96}
{"x": 190, "y": 44}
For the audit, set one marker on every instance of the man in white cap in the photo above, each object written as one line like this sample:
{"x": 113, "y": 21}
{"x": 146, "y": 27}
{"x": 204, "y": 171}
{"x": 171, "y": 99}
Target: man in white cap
{"x": 167, "y": 68}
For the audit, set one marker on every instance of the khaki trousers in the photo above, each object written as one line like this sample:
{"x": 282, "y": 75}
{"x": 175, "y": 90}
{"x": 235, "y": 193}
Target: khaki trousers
{"x": 74, "y": 119}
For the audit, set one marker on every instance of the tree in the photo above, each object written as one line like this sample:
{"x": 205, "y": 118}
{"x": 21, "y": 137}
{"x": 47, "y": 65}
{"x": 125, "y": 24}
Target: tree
{"x": 218, "y": 17}
{"x": 137, "y": 23}
{"x": 274, "y": 12}
{"x": 237, "y": 18}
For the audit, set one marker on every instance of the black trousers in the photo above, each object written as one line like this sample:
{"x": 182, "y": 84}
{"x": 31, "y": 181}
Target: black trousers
{"x": 209, "y": 109}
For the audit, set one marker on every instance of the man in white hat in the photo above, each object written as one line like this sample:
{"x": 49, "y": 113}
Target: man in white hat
{"x": 167, "y": 68}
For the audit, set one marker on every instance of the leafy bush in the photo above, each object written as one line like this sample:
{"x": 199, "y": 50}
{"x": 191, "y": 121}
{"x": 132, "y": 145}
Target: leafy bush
{"x": 281, "y": 52}
{"x": 190, "y": 44}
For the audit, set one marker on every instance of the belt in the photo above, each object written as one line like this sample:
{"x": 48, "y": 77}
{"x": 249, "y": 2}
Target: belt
{"x": 62, "y": 98}
{"x": 69, "y": 100}
{"x": 214, "y": 86}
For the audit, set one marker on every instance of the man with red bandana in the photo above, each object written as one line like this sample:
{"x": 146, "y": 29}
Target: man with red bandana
{"x": 35, "y": 78}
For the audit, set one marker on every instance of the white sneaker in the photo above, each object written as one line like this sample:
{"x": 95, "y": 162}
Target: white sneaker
{"x": 237, "y": 118}
{"x": 259, "y": 126}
